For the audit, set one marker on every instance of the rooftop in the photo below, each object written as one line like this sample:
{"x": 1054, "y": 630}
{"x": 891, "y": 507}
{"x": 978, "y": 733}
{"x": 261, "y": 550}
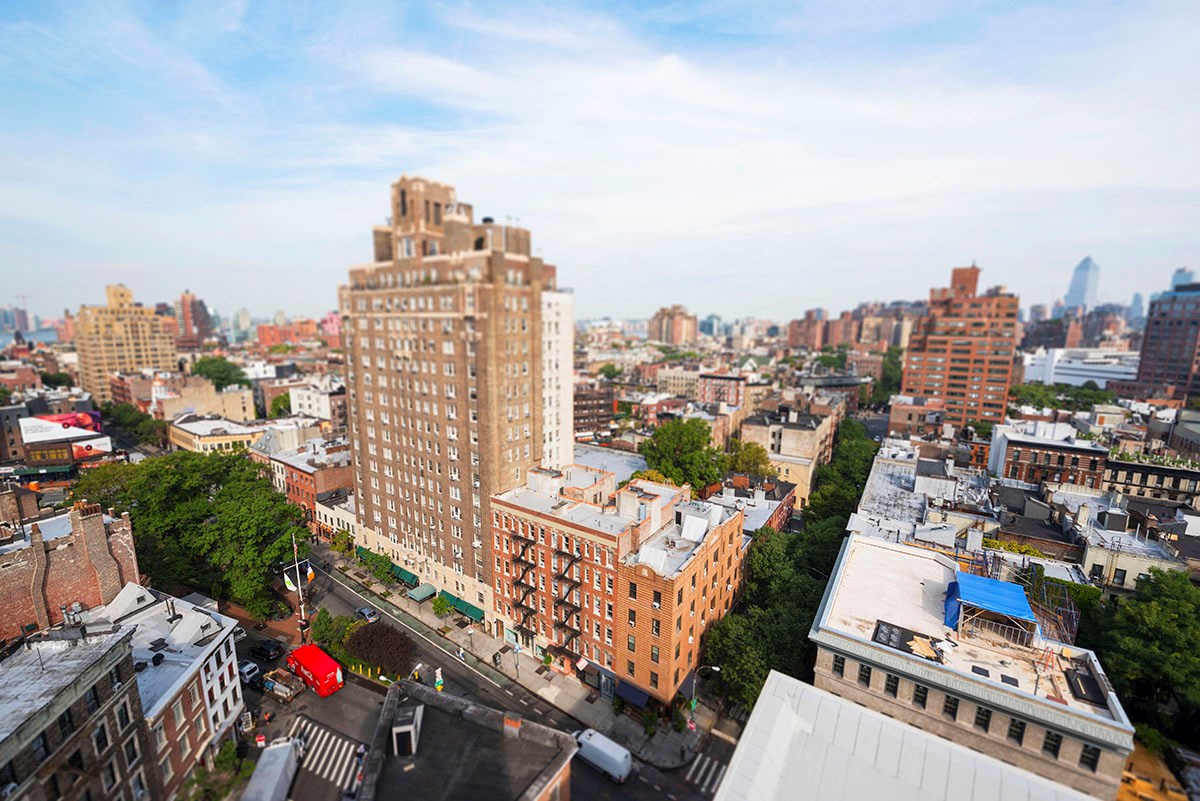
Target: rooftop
{"x": 802, "y": 736}
{"x": 672, "y": 546}
{"x": 622, "y": 464}
{"x": 316, "y": 455}
{"x": 894, "y": 596}
{"x": 208, "y": 427}
{"x": 179, "y": 634}
{"x": 33, "y": 677}
{"x": 52, "y": 528}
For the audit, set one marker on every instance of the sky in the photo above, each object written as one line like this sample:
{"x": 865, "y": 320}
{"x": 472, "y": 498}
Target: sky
{"x": 742, "y": 159}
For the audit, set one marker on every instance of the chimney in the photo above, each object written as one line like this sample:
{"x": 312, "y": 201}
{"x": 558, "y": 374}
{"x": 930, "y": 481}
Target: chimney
{"x": 1083, "y": 516}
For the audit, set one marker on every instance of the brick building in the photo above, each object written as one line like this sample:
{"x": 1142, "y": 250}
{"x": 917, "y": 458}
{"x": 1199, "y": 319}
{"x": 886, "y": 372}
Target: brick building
{"x": 594, "y": 407}
{"x": 1063, "y": 332}
{"x": 619, "y": 586}
{"x": 316, "y": 468}
{"x": 76, "y": 560}
{"x": 808, "y": 332}
{"x": 672, "y": 325}
{"x": 1049, "y": 452}
{"x": 915, "y": 417}
{"x": 963, "y": 351}
{"x": 71, "y": 720}
{"x": 119, "y": 336}
{"x": 729, "y": 388}
{"x": 1170, "y": 362}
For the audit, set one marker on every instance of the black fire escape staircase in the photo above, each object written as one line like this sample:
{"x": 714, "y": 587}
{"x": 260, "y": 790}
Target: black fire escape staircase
{"x": 524, "y": 586}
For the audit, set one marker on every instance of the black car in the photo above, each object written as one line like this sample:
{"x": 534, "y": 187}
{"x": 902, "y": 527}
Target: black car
{"x": 268, "y": 651}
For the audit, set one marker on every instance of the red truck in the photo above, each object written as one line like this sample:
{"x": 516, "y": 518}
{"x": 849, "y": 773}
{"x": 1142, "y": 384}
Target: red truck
{"x": 318, "y": 669}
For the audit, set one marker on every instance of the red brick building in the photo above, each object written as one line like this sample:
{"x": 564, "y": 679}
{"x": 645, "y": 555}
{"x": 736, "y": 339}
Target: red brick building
{"x": 311, "y": 471}
{"x": 1037, "y": 459}
{"x": 81, "y": 557}
{"x": 727, "y": 388}
{"x": 963, "y": 351}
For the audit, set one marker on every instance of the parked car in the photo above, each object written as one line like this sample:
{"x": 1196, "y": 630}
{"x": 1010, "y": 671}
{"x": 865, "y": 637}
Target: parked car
{"x": 239, "y": 634}
{"x": 366, "y": 614}
{"x": 606, "y": 756}
{"x": 267, "y": 650}
{"x": 248, "y": 670}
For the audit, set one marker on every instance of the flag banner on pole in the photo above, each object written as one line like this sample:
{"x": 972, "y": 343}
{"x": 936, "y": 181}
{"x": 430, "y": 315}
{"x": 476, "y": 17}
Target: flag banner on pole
{"x": 287, "y": 582}
{"x": 312, "y": 574}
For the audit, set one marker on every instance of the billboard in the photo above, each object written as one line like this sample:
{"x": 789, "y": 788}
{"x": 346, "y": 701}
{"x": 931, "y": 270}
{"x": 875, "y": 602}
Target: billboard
{"x": 88, "y": 421}
{"x": 91, "y": 448}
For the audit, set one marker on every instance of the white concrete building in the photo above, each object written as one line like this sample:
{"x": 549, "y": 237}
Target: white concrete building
{"x": 558, "y": 352}
{"x": 1077, "y": 366}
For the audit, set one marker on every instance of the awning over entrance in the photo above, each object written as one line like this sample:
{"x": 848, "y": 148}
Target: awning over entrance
{"x": 406, "y": 576}
{"x": 633, "y": 694}
{"x": 470, "y": 610}
{"x": 53, "y": 469}
{"x": 688, "y": 684}
{"x": 423, "y": 593}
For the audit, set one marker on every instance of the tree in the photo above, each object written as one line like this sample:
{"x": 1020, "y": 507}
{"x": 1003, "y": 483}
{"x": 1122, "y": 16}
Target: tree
{"x": 56, "y": 379}
{"x": 228, "y": 771}
{"x": 441, "y": 606}
{"x": 342, "y": 542}
{"x": 384, "y": 646}
{"x": 220, "y": 371}
{"x": 890, "y": 378}
{"x": 320, "y": 625}
{"x": 210, "y": 521}
{"x": 5, "y": 396}
{"x": 281, "y": 406}
{"x": 139, "y": 425}
{"x": 682, "y": 451}
{"x": 379, "y": 565}
{"x": 750, "y": 458}
{"x": 611, "y": 372}
{"x": 651, "y": 475}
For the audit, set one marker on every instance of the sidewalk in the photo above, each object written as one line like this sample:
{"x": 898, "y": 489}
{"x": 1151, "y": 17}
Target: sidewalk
{"x": 667, "y": 749}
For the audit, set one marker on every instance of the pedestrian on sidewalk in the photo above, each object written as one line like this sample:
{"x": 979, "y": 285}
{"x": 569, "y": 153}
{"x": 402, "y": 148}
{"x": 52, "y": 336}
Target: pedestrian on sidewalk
{"x": 683, "y": 752}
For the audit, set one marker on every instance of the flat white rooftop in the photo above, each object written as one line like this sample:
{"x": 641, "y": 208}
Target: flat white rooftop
{"x": 804, "y": 742}
{"x": 904, "y": 587}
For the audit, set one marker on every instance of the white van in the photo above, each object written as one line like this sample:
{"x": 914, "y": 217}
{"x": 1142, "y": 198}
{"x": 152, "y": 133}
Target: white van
{"x": 604, "y": 755}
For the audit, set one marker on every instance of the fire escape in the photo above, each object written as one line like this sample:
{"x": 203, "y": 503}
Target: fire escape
{"x": 524, "y": 586}
{"x": 566, "y": 611}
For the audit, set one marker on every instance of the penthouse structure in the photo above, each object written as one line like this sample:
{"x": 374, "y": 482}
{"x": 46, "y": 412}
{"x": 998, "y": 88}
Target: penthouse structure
{"x": 620, "y": 585}
{"x": 444, "y": 360}
{"x": 120, "y": 336}
{"x": 1036, "y": 451}
{"x": 910, "y": 633}
{"x": 963, "y": 350}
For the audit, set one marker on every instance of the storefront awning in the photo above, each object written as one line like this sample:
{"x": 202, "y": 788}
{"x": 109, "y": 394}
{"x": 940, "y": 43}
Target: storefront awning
{"x": 53, "y": 469}
{"x": 408, "y": 577}
{"x": 470, "y": 610}
{"x": 688, "y": 684}
{"x": 633, "y": 694}
{"x": 423, "y": 593}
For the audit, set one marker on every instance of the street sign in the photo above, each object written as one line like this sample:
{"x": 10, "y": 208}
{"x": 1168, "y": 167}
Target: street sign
{"x": 691, "y": 725}
{"x": 437, "y": 680}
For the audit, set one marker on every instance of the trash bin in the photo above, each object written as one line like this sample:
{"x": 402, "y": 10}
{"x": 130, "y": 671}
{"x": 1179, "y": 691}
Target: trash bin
{"x": 496, "y": 659}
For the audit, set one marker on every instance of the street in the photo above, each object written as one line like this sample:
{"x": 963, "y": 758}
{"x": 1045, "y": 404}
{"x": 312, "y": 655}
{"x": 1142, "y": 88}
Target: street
{"x": 348, "y": 717}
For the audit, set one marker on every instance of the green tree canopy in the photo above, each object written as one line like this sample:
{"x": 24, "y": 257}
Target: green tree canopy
{"x": 281, "y": 406}
{"x": 208, "y": 521}
{"x": 1059, "y": 396}
{"x": 220, "y": 371}
{"x": 682, "y": 451}
{"x": 611, "y": 372}
{"x": 139, "y": 425}
{"x": 750, "y": 458}
{"x": 56, "y": 379}
{"x": 889, "y": 382}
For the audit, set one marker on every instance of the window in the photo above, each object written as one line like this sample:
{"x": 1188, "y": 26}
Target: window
{"x": 657, "y": 599}
{"x": 131, "y": 751}
{"x": 629, "y": 668}
{"x": 167, "y": 769}
{"x": 40, "y": 748}
{"x": 654, "y": 627}
{"x": 100, "y": 739}
{"x": 839, "y": 666}
{"x": 160, "y": 737}
{"x": 1016, "y": 731}
{"x": 983, "y": 718}
{"x": 1119, "y": 577}
{"x": 864, "y": 675}
{"x": 93, "y": 699}
{"x": 76, "y": 761}
{"x": 920, "y": 695}
{"x": 632, "y": 590}
{"x": 114, "y": 675}
{"x": 654, "y": 685}
{"x": 8, "y": 775}
{"x": 66, "y": 724}
{"x": 632, "y": 647}
{"x": 139, "y": 787}
{"x": 51, "y": 788}
{"x": 654, "y": 654}
{"x": 177, "y": 712}
{"x": 950, "y": 707}
{"x": 108, "y": 776}
{"x": 185, "y": 745}
{"x": 1089, "y": 758}
{"x": 123, "y": 718}
{"x": 1052, "y": 743}
{"x": 632, "y": 618}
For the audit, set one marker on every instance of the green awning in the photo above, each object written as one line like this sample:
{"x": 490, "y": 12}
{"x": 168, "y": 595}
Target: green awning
{"x": 423, "y": 593}
{"x": 361, "y": 551}
{"x": 52, "y": 469}
{"x": 407, "y": 577}
{"x": 470, "y": 610}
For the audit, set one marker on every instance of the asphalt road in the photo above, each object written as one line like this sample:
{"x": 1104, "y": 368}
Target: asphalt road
{"x": 875, "y": 422}
{"x": 354, "y": 709}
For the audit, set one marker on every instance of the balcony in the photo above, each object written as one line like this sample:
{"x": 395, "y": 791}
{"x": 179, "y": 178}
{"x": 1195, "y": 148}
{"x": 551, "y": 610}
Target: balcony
{"x": 516, "y": 535}
{"x": 563, "y": 603}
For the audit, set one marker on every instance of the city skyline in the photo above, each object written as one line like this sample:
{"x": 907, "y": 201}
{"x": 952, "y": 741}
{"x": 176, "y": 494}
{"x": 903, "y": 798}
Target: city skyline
{"x": 643, "y": 145}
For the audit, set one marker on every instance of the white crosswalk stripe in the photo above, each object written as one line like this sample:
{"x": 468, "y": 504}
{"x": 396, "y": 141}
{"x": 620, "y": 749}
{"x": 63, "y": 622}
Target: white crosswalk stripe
{"x": 330, "y": 756}
{"x": 706, "y": 773}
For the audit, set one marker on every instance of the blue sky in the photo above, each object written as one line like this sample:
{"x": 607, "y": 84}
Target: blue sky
{"x": 742, "y": 159}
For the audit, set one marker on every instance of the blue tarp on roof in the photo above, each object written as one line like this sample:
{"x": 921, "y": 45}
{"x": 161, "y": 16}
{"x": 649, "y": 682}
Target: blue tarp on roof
{"x": 1001, "y": 597}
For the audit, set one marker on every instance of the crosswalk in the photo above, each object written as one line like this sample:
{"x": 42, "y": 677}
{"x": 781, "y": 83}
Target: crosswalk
{"x": 706, "y": 773}
{"x": 330, "y": 756}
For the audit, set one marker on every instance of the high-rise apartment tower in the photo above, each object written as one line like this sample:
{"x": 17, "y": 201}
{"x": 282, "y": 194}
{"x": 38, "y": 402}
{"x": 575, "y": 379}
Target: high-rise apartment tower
{"x": 444, "y": 362}
{"x": 119, "y": 337}
{"x": 1085, "y": 282}
{"x": 963, "y": 350}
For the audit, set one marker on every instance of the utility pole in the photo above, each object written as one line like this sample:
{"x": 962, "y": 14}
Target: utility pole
{"x": 299, "y": 586}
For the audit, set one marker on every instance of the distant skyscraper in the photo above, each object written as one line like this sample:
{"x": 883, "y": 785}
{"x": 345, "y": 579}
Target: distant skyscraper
{"x": 1084, "y": 284}
{"x": 1181, "y": 277}
{"x": 1137, "y": 309}
{"x": 1170, "y": 361}
{"x": 711, "y": 325}
{"x": 1038, "y": 312}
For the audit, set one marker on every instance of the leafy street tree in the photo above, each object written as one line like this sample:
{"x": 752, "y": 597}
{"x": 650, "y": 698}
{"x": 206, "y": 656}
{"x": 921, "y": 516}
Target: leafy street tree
{"x": 682, "y": 451}
{"x": 1059, "y": 396}
{"x": 281, "y": 406}
{"x": 651, "y": 475}
{"x": 56, "y": 379}
{"x": 889, "y": 384}
{"x": 610, "y": 372}
{"x": 208, "y": 521}
{"x": 441, "y": 607}
{"x": 750, "y": 458}
{"x": 220, "y": 371}
{"x": 136, "y": 423}
{"x": 379, "y": 566}
{"x": 383, "y": 645}
{"x": 342, "y": 542}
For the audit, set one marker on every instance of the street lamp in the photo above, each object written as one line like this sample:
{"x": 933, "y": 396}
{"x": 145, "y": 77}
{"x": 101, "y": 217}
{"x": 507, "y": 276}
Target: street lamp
{"x": 695, "y": 683}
